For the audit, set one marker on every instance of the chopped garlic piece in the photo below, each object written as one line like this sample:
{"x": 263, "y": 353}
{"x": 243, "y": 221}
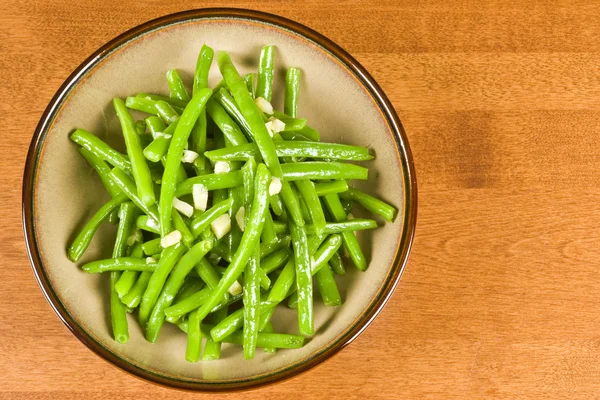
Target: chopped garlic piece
{"x": 170, "y": 239}
{"x": 221, "y": 225}
{"x": 240, "y": 218}
{"x": 275, "y": 126}
{"x": 222, "y": 167}
{"x": 150, "y": 260}
{"x": 264, "y": 105}
{"x": 274, "y": 186}
{"x": 189, "y": 156}
{"x": 158, "y": 134}
{"x": 200, "y": 195}
{"x": 183, "y": 207}
{"x": 235, "y": 289}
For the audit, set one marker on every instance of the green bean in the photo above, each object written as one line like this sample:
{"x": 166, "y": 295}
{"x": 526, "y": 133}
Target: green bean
{"x": 152, "y": 247}
{"x": 249, "y": 239}
{"x": 235, "y": 321}
{"x": 310, "y": 133}
{"x": 303, "y": 207}
{"x": 357, "y": 224}
{"x": 327, "y": 287}
{"x": 188, "y": 304}
{"x": 176, "y": 86}
{"x": 251, "y": 298}
{"x": 139, "y": 167}
{"x": 118, "y": 264}
{"x": 203, "y": 221}
{"x": 271, "y": 340}
{"x": 331, "y": 187}
{"x": 212, "y": 349}
{"x": 235, "y": 234}
{"x": 293, "y": 149}
{"x": 166, "y": 112}
{"x": 205, "y": 57}
{"x": 210, "y": 182}
{"x": 194, "y": 337}
{"x": 221, "y": 251}
{"x": 292, "y": 88}
{"x": 292, "y": 124}
{"x": 128, "y": 278}
{"x": 134, "y": 296}
{"x": 371, "y": 203}
{"x": 84, "y": 237}
{"x": 226, "y": 100}
{"x": 180, "y": 137}
{"x": 208, "y": 274}
{"x": 172, "y": 286}
{"x": 324, "y": 253}
{"x": 347, "y": 205}
{"x": 155, "y": 125}
{"x": 313, "y": 204}
{"x": 98, "y": 147}
{"x": 336, "y": 264}
{"x": 179, "y": 224}
{"x": 175, "y": 103}
{"x": 169, "y": 257}
{"x": 190, "y": 286}
{"x": 280, "y": 227}
{"x": 248, "y": 178}
{"x": 140, "y": 128}
{"x": 335, "y": 208}
{"x": 268, "y": 234}
{"x": 147, "y": 224}
{"x": 323, "y": 170}
{"x": 268, "y": 328}
{"x": 303, "y": 280}
{"x": 156, "y": 150}
{"x": 275, "y": 261}
{"x": 142, "y": 104}
{"x": 276, "y": 204}
{"x": 249, "y": 80}
{"x": 264, "y": 85}
{"x": 293, "y": 301}
{"x": 125, "y": 183}
{"x": 102, "y": 169}
{"x": 266, "y": 249}
{"x": 225, "y": 123}
{"x": 294, "y": 136}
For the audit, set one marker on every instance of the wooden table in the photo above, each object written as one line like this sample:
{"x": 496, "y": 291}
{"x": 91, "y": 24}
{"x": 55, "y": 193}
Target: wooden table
{"x": 501, "y": 103}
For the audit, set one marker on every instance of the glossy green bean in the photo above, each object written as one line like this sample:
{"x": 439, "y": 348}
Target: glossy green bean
{"x": 139, "y": 167}
{"x": 179, "y": 105}
{"x": 276, "y": 204}
{"x": 225, "y": 123}
{"x": 332, "y": 151}
{"x": 180, "y": 138}
{"x": 357, "y": 224}
{"x": 205, "y": 58}
{"x": 128, "y": 278}
{"x": 179, "y": 224}
{"x": 335, "y": 208}
{"x": 142, "y": 104}
{"x": 140, "y": 128}
{"x": 167, "y": 261}
{"x": 303, "y": 280}
{"x": 102, "y": 169}
{"x": 371, "y": 203}
{"x": 249, "y": 80}
{"x": 310, "y": 133}
{"x": 118, "y": 264}
{"x": 152, "y": 247}
{"x": 251, "y": 298}
{"x": 313, "y": 204}
{"x": 328, "y": 288}
{"x": 235, "y": 234}
{"x": 316, "y": 170}
{"x": 84, "y": 237}
{"x": 134, "y": 296}
{"x": 155, "y": 125}
{"x": 280, "y": 227}
{"x": 202, "y": 222}
{"x": 98, "y": 147}
{"x": 325, "y": 188}
{"x": 194, "y": 337}
{"x": 292, "y": 88}
{"x": 210, "y": 182}
{"x": 166, "y": 112}
{"x": 125, "y": 183}
{"x": 172, "y": 286}
{"x": 275, "y": 261}
{"x": 293, "y": 301}
{"x": 157, "y": 149}
{"x": 336, "y": 264}
{"x": 249, "y": 239}
{"x": 266, "y": 249}
{"x": 188, "y": 304}
{"x": 324, "y": 253}
{"x": 226, "y": 100}
{"x": 271, "y": 340}
{"x": 147, "y": 224}
{"x": 176, "y": 86}
{"x": 212, "y": 349}
{"x": 264, "y": 85}
{"x": 235, "y": 321}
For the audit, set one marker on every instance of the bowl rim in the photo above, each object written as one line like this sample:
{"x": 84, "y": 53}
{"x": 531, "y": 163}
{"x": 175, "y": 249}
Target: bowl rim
{"x": 360, "y": 73}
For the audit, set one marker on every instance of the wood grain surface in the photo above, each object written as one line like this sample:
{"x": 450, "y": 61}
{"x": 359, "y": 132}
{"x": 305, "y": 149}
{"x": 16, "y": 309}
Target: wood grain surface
{"x": 500, "y": 101}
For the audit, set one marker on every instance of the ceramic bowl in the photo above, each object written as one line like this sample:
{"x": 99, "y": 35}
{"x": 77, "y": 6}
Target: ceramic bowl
{"x": 60, "y": 191}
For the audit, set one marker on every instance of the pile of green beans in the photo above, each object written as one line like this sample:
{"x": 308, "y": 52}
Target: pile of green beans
{"x": 225, "y": 209}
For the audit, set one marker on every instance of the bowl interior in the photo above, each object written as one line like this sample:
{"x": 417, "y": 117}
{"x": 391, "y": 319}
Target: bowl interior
{"x": 66, "y": 192}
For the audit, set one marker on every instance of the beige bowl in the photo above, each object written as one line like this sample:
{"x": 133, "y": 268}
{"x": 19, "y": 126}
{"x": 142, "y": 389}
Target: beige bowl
{"x": 60, "y": 191}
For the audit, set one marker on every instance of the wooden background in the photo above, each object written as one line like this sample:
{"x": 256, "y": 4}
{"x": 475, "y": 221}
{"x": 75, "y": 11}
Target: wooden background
{"x": 501, "y": 103}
